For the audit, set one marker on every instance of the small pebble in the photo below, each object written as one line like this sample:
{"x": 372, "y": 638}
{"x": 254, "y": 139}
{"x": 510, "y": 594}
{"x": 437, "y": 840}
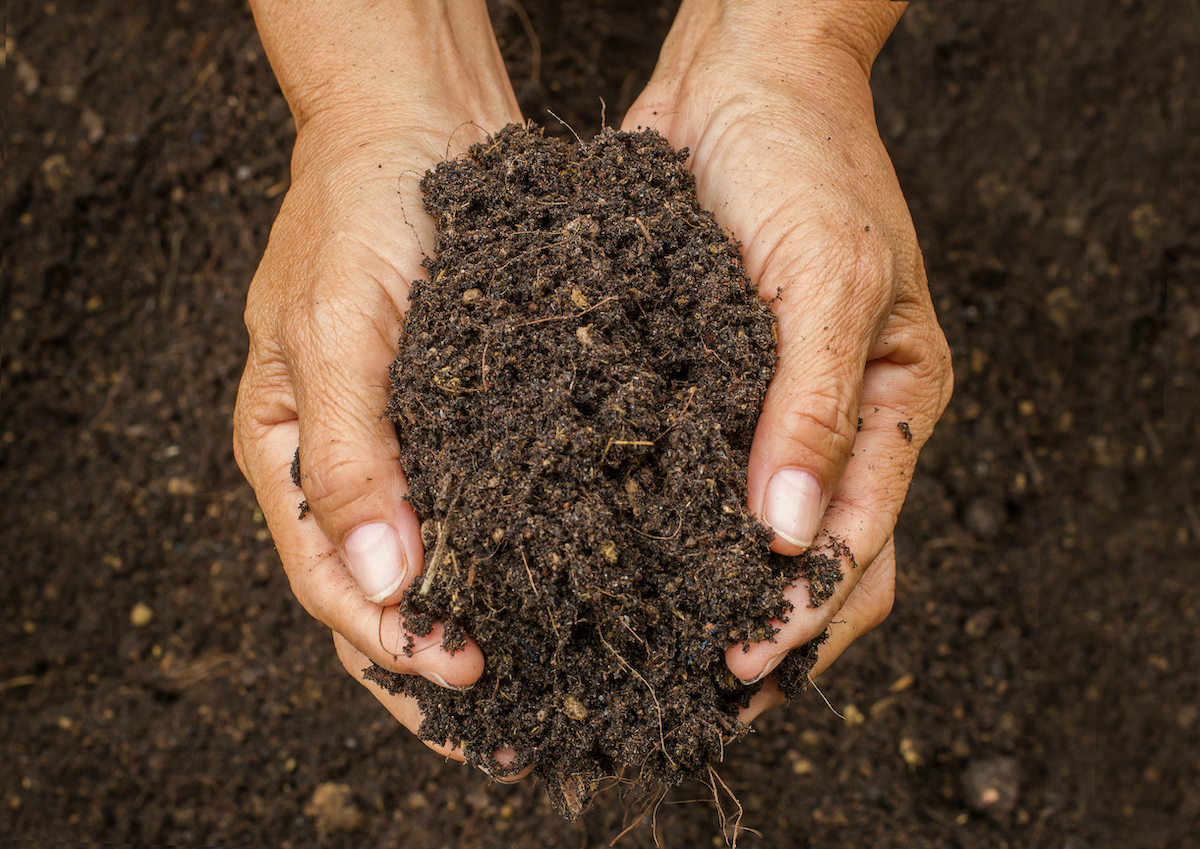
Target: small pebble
{"x": 991, "y": 785}
{"x": 980, "y": 623}
{"x": 332, "y": 806}
{"x": 985, "y": 517}
{"x": 141, "y": 615}
{"x": 574, "y": 708}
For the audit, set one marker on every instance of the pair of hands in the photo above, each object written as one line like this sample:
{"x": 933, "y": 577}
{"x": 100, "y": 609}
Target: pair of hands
{"x": 774, "y": 104}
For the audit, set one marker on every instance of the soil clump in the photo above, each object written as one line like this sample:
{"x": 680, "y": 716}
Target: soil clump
{"x": 576, "y": 392}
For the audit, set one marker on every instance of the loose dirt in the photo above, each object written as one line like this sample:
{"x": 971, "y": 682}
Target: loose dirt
{"x": 1048, "y": 560}
{"x": 576, "y": 392}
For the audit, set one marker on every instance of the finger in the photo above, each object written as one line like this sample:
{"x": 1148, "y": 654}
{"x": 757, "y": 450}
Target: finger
{"x": 903, "y": 396}
{"x": 505, "y": 758}
{"x": 826, "y": 322}
{"x": 403, "y": 708}
{"x": 767, "y": 698}
{"x": 349, "y": 456}
{"x": 325, "y": 587}
{"x": 865, "y": 608}
{"x": 407, "y": 711}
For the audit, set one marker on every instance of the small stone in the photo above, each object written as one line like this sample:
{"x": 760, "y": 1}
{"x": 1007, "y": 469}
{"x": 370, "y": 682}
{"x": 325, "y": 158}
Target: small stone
{"x": 141, "y": 615}
{"x": 991, "y": 785}
{"x": 980, "y": 623}
{"x": 609, "y": 551}
{"x": 574, "y": 708}
{"x": 332, "y": 806}
{"x": 92, "y": 124}
{"x": 902, "y": 683}
{"x": 472, "y": 295}
{"x": 580, "y": 226}
{"x": 56, "y": 172}
{"x": 181, "y": 486}
{"x": 28, "y": 77}
{"x": 1145, "y": 222}
{"x": 853, "y": 715}
{"x": 985, "y": 517}
{"x": 911, "y": 754}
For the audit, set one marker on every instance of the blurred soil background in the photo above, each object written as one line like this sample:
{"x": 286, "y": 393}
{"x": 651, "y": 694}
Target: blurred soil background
{"x": 160, "y": 685}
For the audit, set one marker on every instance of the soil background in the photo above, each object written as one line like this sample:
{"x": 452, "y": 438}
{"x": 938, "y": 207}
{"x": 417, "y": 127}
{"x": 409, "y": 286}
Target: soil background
{"x": 160, "y": 685}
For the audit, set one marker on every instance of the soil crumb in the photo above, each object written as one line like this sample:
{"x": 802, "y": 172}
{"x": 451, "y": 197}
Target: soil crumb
{"x": 576, "y": 392}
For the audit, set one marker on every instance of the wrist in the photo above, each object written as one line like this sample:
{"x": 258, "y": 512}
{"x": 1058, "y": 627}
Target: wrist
{"x": 784, "y": 35}
{"x": 423, "y": 62}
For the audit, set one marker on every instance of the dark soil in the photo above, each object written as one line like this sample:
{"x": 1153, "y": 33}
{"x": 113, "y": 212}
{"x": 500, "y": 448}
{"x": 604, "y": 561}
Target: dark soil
{"x": 575, "y": 395}
{"x": 160, "y": 685}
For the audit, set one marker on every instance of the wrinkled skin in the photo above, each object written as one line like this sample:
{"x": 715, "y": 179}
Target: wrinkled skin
{"x": 790, "y": 161}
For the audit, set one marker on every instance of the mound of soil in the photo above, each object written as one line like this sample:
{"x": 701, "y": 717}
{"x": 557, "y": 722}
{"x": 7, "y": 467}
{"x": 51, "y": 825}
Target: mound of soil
{"x": 576, "y": 392}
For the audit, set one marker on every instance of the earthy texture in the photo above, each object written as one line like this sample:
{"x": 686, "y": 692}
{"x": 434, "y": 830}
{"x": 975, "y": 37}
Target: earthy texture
{"x": 575, "y": 396}
{"x": 1049, "y": 565}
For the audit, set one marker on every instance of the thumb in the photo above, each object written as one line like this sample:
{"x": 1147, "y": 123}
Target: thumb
{"x": 349, "y": 457}
{"x": 809, "y": 420}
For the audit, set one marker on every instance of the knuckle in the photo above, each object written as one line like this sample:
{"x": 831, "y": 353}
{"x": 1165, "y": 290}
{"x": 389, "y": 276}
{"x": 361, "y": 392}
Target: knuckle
{"x": 878, "y": 587}
{"x": 856, "y": 263}
{"x": 883, "y": 599}
{"x": 262, "y": 312}
{"x": 334, "y": 482}
{"x": 945, "y": 361}
{"x": 934, "y": 374}
{"x": 239, "y": 453}
{"x": 821, "y": 423}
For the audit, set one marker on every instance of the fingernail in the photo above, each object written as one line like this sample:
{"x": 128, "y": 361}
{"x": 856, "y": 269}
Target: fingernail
{"x": 429, "y": 675}
{"x": 505, "y": 758}
{"x": 793, "y": 506}
{"x": 767, "y": 670}
{"x": 376, "y": 559}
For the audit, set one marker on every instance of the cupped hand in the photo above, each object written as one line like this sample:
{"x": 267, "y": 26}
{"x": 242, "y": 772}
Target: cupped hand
{"x": 780, "y": 125}
{"x": 323, "y": 314}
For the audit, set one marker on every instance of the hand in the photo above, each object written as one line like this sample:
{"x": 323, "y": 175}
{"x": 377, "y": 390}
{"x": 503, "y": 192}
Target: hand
{"x": 775, "y": 107}
{"x": 388, "y": 98}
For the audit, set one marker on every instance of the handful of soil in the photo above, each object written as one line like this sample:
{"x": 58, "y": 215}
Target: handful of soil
{"x": 575, "y": 395}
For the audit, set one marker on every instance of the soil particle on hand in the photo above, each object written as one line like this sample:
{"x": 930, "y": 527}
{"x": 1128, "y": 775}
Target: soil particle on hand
{"x": 297, "y": 480}
{"x": 576, "y": 392}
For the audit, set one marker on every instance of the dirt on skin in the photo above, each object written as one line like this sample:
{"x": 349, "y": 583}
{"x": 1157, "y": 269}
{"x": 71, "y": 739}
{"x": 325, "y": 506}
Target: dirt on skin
{"x": 575, "y": 395}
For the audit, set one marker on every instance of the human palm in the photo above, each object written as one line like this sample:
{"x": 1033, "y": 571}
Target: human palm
{"x": 797, "y": 172}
